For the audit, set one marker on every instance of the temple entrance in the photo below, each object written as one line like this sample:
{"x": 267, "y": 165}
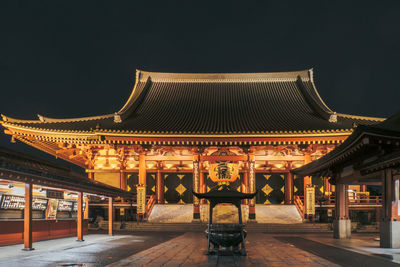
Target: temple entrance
{"x": 132, "y": 179}
{"x": 270, "y": 188}
{"x": 178, "y": 188}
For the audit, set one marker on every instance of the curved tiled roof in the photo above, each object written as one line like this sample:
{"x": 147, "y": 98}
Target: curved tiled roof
{"x": 215, "y": 104}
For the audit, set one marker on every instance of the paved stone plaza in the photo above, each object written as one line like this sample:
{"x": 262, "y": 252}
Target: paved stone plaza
{"x": 188, "y": 249}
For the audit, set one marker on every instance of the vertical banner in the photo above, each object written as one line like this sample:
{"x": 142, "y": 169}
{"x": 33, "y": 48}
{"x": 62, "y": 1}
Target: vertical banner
{"x": 252, "y": 181}
{"x": 196, "y": 181}
{"x": 310, "y": 200}
{"x": 141, "y": 199}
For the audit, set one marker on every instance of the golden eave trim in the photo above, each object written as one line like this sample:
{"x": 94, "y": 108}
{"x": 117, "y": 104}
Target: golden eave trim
{"x": 121, "y": 134}
{"x": 325, "y": 134}
{"x": 27, "y": 129}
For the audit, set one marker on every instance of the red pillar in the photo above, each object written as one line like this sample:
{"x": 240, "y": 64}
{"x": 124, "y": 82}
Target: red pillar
{"x": 342, "y": 209}
{"x": 203, "y": 187}
{"x": 160, "y": 185}
{"x": 363, "y": 188}
{"x": 342, "y": 223}
{"x": 307, "y": 180}
{"x": 122, "y": 180}
{"x": 28, "y": 218}
{"x": 142, "y": 169}
{"x": 245, "y": 183}
{"x": 110, "y": 216}
{"x": 390, "y": 196}
{"x": 142, "y": 173}
{"x": 327, "y": 186}
{"x": 79, "y": 228}
{"x": 390, "y": 224}
{"x": 289, "y": 188}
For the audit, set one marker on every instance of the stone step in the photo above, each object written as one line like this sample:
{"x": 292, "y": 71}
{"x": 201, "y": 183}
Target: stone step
{"x": 178, "y": 213}
{"x": 186, "y": 227}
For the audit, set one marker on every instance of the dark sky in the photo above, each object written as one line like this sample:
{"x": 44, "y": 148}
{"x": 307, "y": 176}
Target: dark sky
{"x": 78, "y": 58}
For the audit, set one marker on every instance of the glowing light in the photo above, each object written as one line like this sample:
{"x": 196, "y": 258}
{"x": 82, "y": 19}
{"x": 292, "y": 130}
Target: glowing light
{"x": 279, "y": 165}
{"x": 150, "y": 166}
{"x": 298, "y": 164}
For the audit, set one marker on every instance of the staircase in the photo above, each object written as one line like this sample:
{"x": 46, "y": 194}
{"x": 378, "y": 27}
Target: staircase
{"x": 200, "y": 227}
{"x": 177, "y": 213}
{"x": 179, "y": 218}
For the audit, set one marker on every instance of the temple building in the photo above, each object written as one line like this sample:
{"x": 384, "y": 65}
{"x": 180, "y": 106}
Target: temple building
{"x": 176, "y": 129}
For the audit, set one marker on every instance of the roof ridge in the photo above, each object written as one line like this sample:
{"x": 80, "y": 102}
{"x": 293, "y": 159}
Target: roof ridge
{"x": 43, "y": 119}
{"x": 313, "y": 103}
{"x": 311, "y": 75}
{"x": 360, "y": 117}
{"x": 142, "y": 76}
{"x": 9, "y": 119}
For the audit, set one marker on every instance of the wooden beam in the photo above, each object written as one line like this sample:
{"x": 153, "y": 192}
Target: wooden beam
{"x": 280, "y": 158}
{"x": 229, "y": 158}
{"x": 169, "y": 158}
{"x": 28, "y": 217}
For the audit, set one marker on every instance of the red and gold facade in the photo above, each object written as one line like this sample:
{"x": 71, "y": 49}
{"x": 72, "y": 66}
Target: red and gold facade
{"x": 244, "y": 119}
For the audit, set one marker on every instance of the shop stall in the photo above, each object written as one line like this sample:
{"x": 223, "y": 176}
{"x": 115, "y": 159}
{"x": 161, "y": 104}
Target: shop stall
{"x": 40, "y": 200}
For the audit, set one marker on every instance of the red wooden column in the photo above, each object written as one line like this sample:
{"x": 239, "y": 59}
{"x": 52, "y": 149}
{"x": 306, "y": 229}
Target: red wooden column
{"x": 142, "y": 168}
{"x": 142, "y": 172}
{"x": 342, "y": 223}
{"x": 110, "y": 216}
{"x": 289, "y": 185}
{"x": 202, "y": 183}
{"x": 28, "y": 218}
{"x": 122, "y": 179}
{"x": 252, "y": 186}
{"x": 363, "y": 188}
{"x": 327, "y": 185}
{"x": 245, "y": 183}
{"x": 390, "y": 225}
{"x": 79, "y": 228}
{"x": 160, "y": 184}
{"x": 196, "y": 187}
{"x": 307, "y": 181}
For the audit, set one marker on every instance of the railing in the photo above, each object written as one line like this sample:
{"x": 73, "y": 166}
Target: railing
{"x": 299, "y": 205}
{"x": 354, "y": 199}
{"x": 150, "y": 201}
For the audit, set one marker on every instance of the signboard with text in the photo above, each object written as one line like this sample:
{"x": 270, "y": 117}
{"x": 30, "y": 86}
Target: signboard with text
{"x": 310, "y": 200}
{"x": 141, "y": 199}
{"x": 54, "y": 194}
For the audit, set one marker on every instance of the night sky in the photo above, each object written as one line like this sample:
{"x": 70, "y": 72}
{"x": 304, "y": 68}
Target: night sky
{"x": 78, "y": 58}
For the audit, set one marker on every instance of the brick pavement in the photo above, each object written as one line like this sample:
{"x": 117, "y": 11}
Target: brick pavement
{"x": 190, "y": 250}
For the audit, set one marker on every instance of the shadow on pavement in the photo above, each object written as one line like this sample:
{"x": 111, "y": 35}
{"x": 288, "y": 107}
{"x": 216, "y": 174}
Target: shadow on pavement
{"x": 336, "y": 255}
